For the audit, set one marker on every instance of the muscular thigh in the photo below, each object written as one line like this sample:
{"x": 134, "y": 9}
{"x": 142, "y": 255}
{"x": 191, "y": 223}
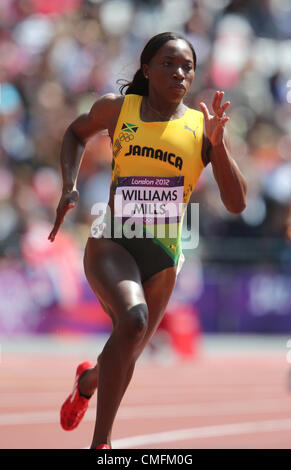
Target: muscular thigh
{"x": 157, "y": 291}
{"x": 113, "y": 275}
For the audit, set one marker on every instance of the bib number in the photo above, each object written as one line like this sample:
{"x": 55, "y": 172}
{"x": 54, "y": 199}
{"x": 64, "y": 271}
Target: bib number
{"x": 150, "y": 199}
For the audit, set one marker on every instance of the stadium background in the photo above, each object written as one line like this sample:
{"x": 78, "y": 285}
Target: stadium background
{"x": 56, "y": 58}
{"x": 230, "y": 315}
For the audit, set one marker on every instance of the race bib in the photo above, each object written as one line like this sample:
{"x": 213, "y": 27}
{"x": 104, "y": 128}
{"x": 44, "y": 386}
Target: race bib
{"x": 149, "y": 199}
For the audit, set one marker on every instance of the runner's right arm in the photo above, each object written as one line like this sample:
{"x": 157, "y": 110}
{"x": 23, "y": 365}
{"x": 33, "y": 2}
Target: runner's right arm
{"x": 102, "y": 115}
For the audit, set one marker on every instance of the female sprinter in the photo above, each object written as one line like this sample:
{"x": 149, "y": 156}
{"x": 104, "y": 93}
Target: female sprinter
{"x": 160, "y": 147}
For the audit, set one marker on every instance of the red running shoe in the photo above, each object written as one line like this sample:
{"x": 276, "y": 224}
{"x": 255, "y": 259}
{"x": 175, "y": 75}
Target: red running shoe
{"x": 75, "y": 406}
{"x": 103, "y": 446}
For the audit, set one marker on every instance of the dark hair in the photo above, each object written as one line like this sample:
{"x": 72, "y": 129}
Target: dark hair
{"x": 139, "y": 84}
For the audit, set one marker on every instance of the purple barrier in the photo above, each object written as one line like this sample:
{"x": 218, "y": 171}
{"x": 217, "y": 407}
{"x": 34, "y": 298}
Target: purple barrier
{"x": 25, "y": 297}
{"x": 254, "y": 300}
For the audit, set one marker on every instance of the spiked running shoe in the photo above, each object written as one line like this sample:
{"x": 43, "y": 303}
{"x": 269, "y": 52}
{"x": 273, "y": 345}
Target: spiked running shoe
{"x": 76, "y": 405}
{"x": 103, "y": 446}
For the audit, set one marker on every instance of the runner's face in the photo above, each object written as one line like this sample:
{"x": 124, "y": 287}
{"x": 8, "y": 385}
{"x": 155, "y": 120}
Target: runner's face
{"x": 171, "y": 71}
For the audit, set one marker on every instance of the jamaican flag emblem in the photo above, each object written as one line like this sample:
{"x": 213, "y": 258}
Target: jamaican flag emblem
{"x": 130, "y": 128}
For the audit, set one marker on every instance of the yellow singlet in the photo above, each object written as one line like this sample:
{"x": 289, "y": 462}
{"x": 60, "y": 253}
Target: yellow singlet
{"x": 171, "y": 148}
{"x": 155, "y": 168}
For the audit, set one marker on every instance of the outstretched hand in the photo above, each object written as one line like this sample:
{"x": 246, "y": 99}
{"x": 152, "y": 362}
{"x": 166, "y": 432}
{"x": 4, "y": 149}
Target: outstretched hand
{"x": 215, "y": 124}
{"x": 68, "y": 201}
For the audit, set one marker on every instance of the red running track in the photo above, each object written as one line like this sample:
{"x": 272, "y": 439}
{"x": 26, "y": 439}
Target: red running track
{"x": 221, "y": 399}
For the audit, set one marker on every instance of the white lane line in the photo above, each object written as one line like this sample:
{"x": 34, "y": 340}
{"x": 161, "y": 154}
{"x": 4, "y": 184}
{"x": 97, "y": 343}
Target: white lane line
{"x": 35, "y": 417}
{"x": 28, "y": 398}
{"x": 157, "y": 412}
{"x": 203, "y": 432}
{"x": 205, "y": 409}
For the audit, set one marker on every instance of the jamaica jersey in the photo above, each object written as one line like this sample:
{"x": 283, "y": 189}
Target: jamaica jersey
{"x": 155, "y": 168}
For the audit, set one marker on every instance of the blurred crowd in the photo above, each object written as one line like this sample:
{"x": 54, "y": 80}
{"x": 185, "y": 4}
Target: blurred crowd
{"x": 58, "y": 56}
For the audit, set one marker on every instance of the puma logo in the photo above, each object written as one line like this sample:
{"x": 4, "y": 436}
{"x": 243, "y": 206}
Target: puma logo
{"x": 191, "y": 130}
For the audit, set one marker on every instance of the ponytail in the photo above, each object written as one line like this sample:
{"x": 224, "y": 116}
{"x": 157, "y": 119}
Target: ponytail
{"x": 138, "y": 86}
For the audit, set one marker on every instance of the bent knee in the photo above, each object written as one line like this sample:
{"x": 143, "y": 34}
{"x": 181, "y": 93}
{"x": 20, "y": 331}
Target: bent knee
{"x": 133, "y": 323}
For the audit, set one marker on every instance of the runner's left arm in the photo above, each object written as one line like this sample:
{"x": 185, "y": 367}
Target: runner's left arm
{"x": 232, "y": 184}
